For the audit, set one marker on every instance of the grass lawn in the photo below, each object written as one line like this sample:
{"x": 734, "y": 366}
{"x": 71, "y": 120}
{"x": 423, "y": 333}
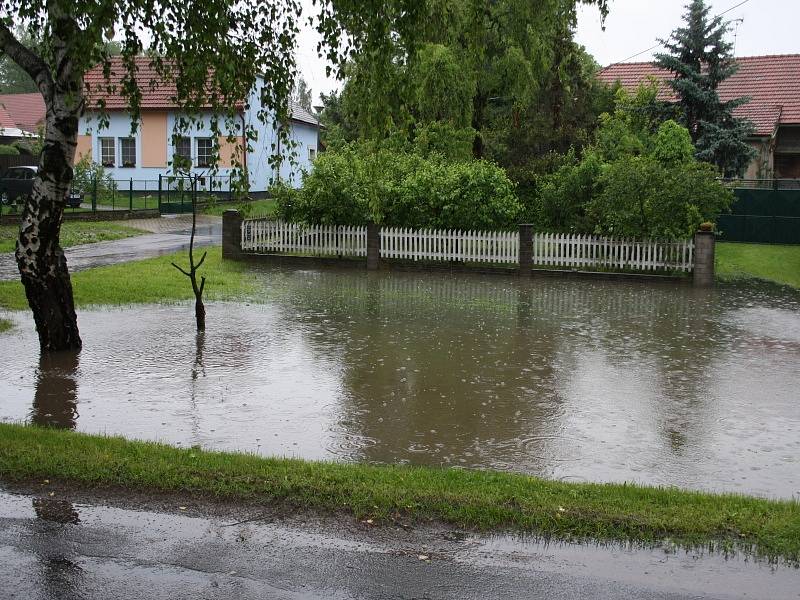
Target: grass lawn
{"x": 5, "y": 325}
{"x": 779, "y": 264}
{"x": 480, "y": 500}
{"x": 74, "y": 233}
{"x": 254, "y": 208}
{"x": 151, "y": 280}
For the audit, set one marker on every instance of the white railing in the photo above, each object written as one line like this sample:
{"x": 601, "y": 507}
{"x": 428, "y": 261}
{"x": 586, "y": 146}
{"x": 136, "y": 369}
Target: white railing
{"x": 553, "y": 250}
{"x": 570, "y": 250}
{"x": 450, "y": 245}
{"x": 262, "y": 235}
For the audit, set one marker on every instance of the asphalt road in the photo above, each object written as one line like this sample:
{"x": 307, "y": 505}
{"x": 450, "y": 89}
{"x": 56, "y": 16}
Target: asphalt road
{"x": 63, "y": 547}
{"x": 169, "y": 235}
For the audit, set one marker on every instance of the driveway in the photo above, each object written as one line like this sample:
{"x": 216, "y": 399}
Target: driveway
{"x": 167, "y": 235}
{"x": 63, "y": 544}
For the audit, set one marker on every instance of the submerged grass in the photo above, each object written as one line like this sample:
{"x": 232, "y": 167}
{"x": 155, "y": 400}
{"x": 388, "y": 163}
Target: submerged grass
{"x": 5, "y": 325}
{"x": 478, "y": 500}
{"x": 145, "y": 281}
{"x": 779, "y": 264}
{"x": 74, "y": 233}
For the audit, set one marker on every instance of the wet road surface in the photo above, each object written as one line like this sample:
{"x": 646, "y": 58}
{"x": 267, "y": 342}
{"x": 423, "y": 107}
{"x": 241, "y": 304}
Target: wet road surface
{"x": 55, "y": 547}
{"x": 170, "y": 234}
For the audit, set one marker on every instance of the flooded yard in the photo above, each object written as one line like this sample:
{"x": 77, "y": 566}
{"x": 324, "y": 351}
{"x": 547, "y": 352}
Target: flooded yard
{"x": 573, "y": 380}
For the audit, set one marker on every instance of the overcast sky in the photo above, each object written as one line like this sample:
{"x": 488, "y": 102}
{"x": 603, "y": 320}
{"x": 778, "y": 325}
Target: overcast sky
{"x": 766, "y": 27}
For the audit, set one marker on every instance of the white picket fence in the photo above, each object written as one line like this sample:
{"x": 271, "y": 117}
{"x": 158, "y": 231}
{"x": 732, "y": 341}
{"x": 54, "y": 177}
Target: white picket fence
{"x": 266, "y": 236}
{"x": 549, "y": 249}
{"x": 586, "y": 251}
{"x": 450, "y": 245}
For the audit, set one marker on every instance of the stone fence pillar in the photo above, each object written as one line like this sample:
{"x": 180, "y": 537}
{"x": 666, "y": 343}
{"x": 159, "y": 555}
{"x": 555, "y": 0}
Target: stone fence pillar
{"x": 703, "y": 273}
{"x": 525, "y": 249}
{"x": 373, "y": 246}
{"x": 231, "y": 234}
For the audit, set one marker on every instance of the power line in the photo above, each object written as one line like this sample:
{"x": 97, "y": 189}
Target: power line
{"x": 659, "y": 44}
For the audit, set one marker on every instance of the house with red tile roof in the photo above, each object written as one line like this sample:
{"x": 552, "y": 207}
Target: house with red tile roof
{"x": 138, "y": 157}
{"x": 25, "y": 110}
{"x": 773, "y": 85}
{"x": 9, "y": 131}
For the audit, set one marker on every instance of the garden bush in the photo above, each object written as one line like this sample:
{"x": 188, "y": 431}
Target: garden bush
{"x": 361, "y": 183}
{"x": 650, "y": 186}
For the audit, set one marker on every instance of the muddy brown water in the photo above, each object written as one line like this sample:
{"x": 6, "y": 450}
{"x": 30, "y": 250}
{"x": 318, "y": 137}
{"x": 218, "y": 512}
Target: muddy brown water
{"x": 572, "y": 380}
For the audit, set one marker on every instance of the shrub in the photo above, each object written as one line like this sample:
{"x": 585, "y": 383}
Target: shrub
{"x": 565, "y": 195}
{"x": 86, "y": 172}
{"x": 6, "y": 150}
{"x": 640, "y": 197}
{"x": 361, "y": 183}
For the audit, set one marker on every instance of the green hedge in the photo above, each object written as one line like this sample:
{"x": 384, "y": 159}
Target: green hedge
{"x": 355, "y": 185}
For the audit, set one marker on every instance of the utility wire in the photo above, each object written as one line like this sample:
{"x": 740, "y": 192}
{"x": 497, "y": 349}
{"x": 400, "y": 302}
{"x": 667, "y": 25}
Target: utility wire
{"x": 659, "y": 44}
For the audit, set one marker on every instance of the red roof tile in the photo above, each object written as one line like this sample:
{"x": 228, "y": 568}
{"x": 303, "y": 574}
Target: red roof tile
{"x": 771, "y": 82}
{"x": 156, "y": 92}
{"x": 5, "y": 119}
{"x": 26, "y": 110}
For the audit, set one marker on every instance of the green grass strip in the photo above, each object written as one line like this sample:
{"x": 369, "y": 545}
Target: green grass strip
{"x": 779, "y": 264}
{"x": 74, "y": 233}
{"x": 478, "y": 500}
{"x": 152, "y": 280}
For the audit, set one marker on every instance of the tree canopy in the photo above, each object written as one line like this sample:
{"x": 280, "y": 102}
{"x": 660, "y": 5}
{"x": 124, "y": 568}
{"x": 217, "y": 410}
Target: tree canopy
{"x": 488, "y": 66}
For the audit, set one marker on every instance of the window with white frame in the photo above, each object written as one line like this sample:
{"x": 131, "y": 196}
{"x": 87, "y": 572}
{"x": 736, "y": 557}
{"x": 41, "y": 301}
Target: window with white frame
{"x": 183, "y": 149}
{"x": 312, "y": 153}
{"x": 205, "y": 152}
{"x": 127, "y": 152}
{"x": 107, "y": 154}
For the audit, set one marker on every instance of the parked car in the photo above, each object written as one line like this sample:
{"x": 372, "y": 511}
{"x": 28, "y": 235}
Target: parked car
{"x": 17, "y": 183}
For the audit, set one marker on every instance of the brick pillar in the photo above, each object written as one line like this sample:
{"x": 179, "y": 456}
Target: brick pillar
{"x": 231, "y": 234}
{"x": 525, "y": 249}
{"x": 703, "y": 274}
{"x": 373, "y": 246}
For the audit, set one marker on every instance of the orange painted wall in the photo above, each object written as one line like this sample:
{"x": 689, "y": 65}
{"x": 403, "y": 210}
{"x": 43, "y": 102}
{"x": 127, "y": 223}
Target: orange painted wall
{"x": 227, "y": 150}
{"x": 154, "y": 139}
{"x": 84, "y": 147}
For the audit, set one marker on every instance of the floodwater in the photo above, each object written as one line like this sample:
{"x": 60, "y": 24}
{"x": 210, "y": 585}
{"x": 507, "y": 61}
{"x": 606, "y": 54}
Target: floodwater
{"x": 574, "y": 380}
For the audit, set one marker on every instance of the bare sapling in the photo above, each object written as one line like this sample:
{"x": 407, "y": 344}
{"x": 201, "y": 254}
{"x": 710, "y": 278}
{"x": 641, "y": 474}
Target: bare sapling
{"x": 199, "y": 307}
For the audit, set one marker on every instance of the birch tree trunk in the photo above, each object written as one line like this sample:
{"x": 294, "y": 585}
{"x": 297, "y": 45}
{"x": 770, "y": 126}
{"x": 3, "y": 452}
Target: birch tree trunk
{"x": 40, "y": 258}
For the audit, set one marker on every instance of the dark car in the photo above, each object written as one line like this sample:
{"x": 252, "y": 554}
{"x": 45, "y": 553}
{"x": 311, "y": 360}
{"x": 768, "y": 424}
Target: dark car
{"x": 16, "y": 184}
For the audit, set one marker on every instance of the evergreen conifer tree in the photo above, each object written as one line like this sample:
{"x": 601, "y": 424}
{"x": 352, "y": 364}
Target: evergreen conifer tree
{"x": 701, "y": 58}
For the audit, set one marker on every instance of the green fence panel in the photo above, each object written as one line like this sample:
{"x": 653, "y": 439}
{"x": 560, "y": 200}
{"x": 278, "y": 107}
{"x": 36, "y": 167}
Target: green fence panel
{"x": 762, "y": 216}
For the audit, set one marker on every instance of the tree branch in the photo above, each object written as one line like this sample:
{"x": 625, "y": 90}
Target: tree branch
{"x": 200, "y": 264}
{"x": 181, "y": 270}
{"x": 27, "y": 59}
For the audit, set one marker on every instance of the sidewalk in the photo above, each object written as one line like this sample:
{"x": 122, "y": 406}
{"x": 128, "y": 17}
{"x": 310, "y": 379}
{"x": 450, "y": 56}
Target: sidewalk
{"x": 168, "y": 235}
{"x": 71, "y": 544}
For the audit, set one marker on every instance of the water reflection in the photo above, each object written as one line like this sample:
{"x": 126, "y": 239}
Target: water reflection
{"x": 565, "y": 379}
{"x": 61, "y": 576}
{"x": 55, "y": 403}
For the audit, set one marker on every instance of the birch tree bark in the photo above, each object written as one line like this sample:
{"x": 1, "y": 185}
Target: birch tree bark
{"x": 40, "y": 258}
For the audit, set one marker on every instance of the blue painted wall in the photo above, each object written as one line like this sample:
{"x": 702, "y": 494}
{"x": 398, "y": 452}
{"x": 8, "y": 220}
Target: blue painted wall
{"x": 295, "y": 156}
